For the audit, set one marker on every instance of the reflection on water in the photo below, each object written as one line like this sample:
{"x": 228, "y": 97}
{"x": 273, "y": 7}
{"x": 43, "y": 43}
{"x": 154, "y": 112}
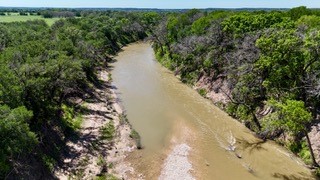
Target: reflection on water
{"x": 166, "y": 112}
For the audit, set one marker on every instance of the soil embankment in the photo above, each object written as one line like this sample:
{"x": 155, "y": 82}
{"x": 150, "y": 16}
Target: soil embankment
{"x": 219, "y": 93}
{"x": 91, "y": 155}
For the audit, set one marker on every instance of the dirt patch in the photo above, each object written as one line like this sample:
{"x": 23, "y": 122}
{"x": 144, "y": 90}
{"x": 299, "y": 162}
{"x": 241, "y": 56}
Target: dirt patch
{"x": 217, "y": 91}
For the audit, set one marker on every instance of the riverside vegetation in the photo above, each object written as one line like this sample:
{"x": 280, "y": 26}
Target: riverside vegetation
{"x": 43, "y": 69}
{"x": 265, "y": 64}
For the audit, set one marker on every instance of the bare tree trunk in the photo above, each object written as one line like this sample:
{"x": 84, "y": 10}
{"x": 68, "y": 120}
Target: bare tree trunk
{"x": 314, "y": 162}
{"x": 256, "y": 121}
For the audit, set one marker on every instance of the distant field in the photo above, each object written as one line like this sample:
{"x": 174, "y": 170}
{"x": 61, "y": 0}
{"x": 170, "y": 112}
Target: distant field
{"x": 16, "y": 17}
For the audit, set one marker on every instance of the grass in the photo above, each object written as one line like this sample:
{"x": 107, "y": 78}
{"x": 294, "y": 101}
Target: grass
{"x": 71, "y": 118}
{"x": 202, "y": 92}
{"x": 106, "y": 177}
{"x": 18, "y": 18}
{"x": 108, "y": 131}
{"x": 101, "y": 161}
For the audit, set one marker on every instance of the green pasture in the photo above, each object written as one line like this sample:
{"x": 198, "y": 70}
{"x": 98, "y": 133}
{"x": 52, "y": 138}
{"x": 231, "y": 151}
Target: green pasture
{"x": 16, "y": 17}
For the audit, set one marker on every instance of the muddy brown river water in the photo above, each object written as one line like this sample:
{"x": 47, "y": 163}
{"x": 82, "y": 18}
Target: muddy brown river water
{"x": 167, "y": 113}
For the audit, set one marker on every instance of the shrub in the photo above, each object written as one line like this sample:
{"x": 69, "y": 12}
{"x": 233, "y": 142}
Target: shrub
{"x": 108, "y": 131}
{"x": 202, "y": 92}
{"x": 16, "y": 137}
{"x": 49, "y": 162}
{"x": 70, "y": 118}
{"x": 106, "y": 177}
{"x": 135, "y": 135}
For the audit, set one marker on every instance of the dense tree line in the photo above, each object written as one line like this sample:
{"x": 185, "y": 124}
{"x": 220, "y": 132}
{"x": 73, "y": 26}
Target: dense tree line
{"x": 42, "y": 67}
{"x": 269, "y": 61}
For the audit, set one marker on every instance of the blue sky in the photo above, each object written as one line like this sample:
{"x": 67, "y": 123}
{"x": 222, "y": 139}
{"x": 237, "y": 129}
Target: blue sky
{"x": 163, "y": 3}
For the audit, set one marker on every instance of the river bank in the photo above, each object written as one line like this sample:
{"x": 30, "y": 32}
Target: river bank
{"x": 218, "y": 92}
{"x": 92, "y": 155}
{"x": 156, "y": 102}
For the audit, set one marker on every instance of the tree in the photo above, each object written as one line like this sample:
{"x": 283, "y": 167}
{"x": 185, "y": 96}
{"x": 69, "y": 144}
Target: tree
{"x": 309, "y": 21}
{"x": 16, "y": 137}
{"x": 292, "y": 116}
{"x": 242, "y": 23}
{"x": 282, "y": 62}
{"x": 297, "y": 12}
{"x": 200, "y": 26}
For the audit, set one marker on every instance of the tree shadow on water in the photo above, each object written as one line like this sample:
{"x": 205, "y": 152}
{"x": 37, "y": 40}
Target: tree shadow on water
{"x": 254, "y": 145}
{"x": 299, "y": 176}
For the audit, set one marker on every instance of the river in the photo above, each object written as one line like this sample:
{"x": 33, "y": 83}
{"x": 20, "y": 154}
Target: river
{"x": 166, "y": 113}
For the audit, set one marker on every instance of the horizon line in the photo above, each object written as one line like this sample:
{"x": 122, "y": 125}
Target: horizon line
{"x": 64, "y": 7}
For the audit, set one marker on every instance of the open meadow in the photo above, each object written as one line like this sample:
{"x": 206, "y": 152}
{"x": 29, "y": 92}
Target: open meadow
{"x": 17, "y": 18}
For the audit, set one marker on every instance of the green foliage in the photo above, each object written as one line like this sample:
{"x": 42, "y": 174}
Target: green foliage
{"x": 207, "y": 63}
{"x": 283, "y": 59}
{"x": 231, "y": 108}
{"x": 70, "y": 118}
{"x": 290, "y": 115}
{"x": 101, "y": 161}
{"x": 135, "y": 135}
{"x": 49, "y": 162}
{"x": 18, "y": 18}
{"x": 295, "y": 146}
{"x": 16, "y": 137}
{"x": 106, "y": 177}
{"x": 297, "y": 12}
{"x": 165, "y": 60}
{"x": 247, "y": 22}
{"x": 265, "y": 59}
{"x": 202, "y": 92}
{"x": 200, "y": 26}
{"x": 150, "y": 19}
{"x": 108, "y": 131}
{"x": 309, "y": 21}
{"x": 301, "y": 148}
{"x": 317, "y": 172}
{"x": 43, "y": 67}
{"x": 305, "y": 153}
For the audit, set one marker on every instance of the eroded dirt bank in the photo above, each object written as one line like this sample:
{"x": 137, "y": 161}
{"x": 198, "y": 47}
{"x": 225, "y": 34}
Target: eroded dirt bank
{"x": 91, "y": 155}
{"x": 219, "y": 93}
